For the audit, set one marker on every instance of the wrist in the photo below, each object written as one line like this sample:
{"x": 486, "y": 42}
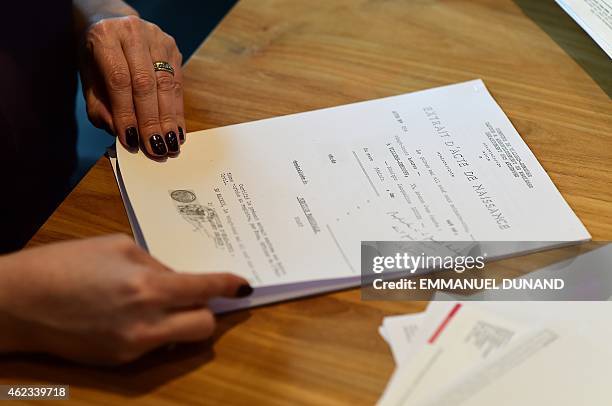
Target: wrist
{"x": 12, "y": 337}
{"x": 7, "y": 266}
{"x": 89, "y": 12}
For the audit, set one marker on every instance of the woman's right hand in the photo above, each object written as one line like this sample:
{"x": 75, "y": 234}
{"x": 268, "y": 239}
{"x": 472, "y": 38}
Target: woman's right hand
{"x": 103, "y": 301}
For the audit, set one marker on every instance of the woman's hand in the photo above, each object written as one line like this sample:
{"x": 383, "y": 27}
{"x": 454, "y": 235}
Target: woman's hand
{"x": 103, "y": 301}
{"x": 123, "y": 92}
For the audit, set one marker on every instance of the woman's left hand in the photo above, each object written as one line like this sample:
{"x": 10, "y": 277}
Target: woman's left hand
{"x": 123, "y": 92}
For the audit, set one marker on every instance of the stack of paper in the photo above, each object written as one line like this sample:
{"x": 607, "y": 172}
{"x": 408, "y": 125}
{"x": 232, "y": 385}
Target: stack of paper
{"x": 286, "y": 202}
{"x": 502, "y": 353}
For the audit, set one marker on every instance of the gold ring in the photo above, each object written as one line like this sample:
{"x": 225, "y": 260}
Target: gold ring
{"x": 163, "y": 66}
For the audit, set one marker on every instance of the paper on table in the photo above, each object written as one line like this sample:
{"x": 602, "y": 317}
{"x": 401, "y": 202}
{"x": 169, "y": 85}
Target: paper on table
{"x": 590, "y": 272}
{"x": 595, "y": 17}
{"x": 548, "y": 367}
{"x": 288, "y": 200}
{"x": 587, "y": 276}
{"x": 588, "y": 321}
{"x": 466, "y": 336}
{"x": 433, "y": 316}
{"x": 383, "y": 333}
{"x": 591, "y": 318}
{"x": 261, "y": 296}
{"x": 399, "y": 332}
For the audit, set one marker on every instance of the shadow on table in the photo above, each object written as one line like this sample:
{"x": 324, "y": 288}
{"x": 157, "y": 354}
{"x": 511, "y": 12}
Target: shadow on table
{"x": 135, "y": 379}
{"x": 562, "y": 29}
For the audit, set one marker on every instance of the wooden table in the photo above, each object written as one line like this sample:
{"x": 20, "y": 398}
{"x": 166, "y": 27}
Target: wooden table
{"x": 274, "y": 57}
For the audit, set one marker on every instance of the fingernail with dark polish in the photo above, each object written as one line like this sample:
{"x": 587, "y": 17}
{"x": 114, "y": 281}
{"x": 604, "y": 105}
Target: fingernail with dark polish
{"x": 131, "y": 137}
{"x": 172, "y": 142}
{"x": 244, "y": 290}
{"x": 181, "y": 134}
{"x": 157, "y": 145}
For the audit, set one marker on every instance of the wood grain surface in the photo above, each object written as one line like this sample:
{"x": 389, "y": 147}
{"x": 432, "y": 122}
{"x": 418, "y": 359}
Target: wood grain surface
{"x": 275, "y": 57}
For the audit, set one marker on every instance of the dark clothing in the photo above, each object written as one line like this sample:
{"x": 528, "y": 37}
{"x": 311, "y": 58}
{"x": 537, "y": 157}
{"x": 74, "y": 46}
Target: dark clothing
{"x": 37, "y": 124}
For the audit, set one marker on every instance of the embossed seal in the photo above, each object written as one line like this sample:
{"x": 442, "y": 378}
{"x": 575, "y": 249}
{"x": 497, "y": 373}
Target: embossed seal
{"x": 183, "y": 196}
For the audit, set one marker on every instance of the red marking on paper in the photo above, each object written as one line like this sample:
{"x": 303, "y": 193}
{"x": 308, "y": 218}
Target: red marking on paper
{"x": 444, "y": 323}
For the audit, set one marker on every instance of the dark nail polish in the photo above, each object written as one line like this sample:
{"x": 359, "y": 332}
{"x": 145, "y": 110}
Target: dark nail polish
{"x": 157, "y": 145}
{"x": 181, "y": 134}
{"x": 131, "y": 137}
{"x": 244, "y": 290}
{"x": 172, "y": 142}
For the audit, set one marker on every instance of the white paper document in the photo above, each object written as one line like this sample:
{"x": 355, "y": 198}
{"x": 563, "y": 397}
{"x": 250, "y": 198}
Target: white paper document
{"x": 399, "y": 332}
{"x": 428, "y": 323}
{"x": 287, "y": 201}
{"x": 595, "y": 17}
{"x": 464, "y": 336}
{"x": 549, "y": 366}
{"x": 531, "y": 352}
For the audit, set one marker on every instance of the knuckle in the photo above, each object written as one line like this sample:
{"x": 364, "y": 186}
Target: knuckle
{"x": 165, "y": 82}
{"x": 168, "y": 41}
{"x": 98, "y": 30}
{"x": 93, "y": 113}
{"x": 168, "y": 120}
{"x": 148, "y": 125}
{"x": 178, "y": 86}
{"x": 124, "y": 243}
{"x": 95, "y": 116}
{"x": 152, "y": 26}
{"x": 132, "y": 30}
{"x": 142, "y": 292}
{"x": 132, "y": 336}
{"x": 119, "y": 79}
{"x": 143, "y": 84}
{"x": 91, "y": 102}
{"x": 113, "y": 240}
{"x": 126, "y": 342}
{"x": 123, "y": 237}
{"x": 123, "y": 116}
{"x": 209, "y": 324}
{"x": 132, "y": 22}
{"x": 122, "y": 356}
{"x": 134, "y": 288}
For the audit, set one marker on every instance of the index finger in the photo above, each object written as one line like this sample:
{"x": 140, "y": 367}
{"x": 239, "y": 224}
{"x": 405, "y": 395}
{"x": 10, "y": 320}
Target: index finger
{"x": 144, "y": 92}
{"x": 116, "y": 76}
{"x": 195, "y": 290}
